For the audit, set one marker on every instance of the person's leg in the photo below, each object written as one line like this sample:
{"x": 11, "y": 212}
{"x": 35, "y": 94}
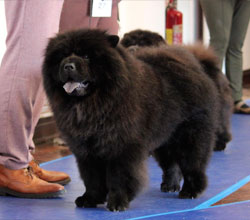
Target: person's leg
{"x": 76, "y": 14}
{"x": 234, "y": 52}
{"x": 29, "y": 24}
{"x": 219, "y": 14}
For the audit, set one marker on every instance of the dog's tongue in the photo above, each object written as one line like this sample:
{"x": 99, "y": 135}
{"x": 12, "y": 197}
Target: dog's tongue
{"x": 69, "y": 87}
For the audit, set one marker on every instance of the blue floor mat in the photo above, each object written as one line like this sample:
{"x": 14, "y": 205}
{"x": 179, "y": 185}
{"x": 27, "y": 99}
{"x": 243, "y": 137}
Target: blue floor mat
{"x": 227, "y": 172}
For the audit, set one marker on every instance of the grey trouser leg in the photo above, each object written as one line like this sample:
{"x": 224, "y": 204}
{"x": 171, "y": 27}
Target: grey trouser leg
{"x": 227, "y": 22}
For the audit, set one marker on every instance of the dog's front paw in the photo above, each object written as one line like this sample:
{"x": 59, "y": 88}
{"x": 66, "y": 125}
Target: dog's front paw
{"x": 88, "y": 201}
{"x": 117, "y": 206}
{"x": 117, "y": 202}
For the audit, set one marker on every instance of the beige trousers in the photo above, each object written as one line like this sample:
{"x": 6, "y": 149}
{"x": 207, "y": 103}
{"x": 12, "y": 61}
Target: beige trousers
{"x": 29, "y": 25}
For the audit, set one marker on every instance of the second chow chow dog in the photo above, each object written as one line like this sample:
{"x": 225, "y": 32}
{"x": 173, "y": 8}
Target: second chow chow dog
{"x": 197, "y": 56}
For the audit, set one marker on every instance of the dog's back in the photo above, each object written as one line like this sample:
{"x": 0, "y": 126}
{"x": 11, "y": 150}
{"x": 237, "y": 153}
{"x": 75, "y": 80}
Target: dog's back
{"x": 200, "y": 58}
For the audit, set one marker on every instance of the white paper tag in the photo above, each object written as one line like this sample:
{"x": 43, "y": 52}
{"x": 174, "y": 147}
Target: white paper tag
{"x": 101, "y": 8}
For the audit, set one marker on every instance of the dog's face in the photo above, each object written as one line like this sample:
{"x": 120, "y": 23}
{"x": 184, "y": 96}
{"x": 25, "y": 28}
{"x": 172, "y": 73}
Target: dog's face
{"x": 75, "y": 74}
{"x": 142, "y": 38}
{"x": 76, "y": 61}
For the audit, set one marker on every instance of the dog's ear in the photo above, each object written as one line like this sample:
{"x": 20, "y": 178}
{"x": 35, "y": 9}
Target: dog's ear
{"x": 113, "y": 40}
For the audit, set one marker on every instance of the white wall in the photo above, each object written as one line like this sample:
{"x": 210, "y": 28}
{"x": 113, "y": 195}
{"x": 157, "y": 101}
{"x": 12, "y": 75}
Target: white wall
{"x": 246, "y": 51}
{"x": 143, "y": 14}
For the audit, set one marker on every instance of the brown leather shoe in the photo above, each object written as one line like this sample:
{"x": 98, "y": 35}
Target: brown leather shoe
{"x": 49, "y": 176}
{"x": 23, "y": 183}
{"x": 241, "y": 107}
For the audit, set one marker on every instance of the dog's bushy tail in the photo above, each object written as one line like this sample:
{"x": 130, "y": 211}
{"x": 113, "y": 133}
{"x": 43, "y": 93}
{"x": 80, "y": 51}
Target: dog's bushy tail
{"x": 206, "y": 57}
{"x": 210, "y": 63}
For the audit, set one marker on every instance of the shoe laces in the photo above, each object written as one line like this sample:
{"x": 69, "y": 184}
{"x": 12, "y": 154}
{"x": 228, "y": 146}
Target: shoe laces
{"x": 29, "y": 172}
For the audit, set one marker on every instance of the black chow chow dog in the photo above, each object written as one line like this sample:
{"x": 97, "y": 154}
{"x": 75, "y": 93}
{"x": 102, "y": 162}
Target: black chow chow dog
{"x": 113, "y": 109}
{"x": 207, "y": 60}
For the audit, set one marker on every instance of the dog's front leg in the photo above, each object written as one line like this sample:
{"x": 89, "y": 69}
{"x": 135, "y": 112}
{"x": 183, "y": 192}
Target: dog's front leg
{"x": 125, "y": 177}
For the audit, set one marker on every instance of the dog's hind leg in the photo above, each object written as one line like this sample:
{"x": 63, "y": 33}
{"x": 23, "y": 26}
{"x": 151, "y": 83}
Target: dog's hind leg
{"x": 197, "y": 139}
{"x": 172, "y": 175}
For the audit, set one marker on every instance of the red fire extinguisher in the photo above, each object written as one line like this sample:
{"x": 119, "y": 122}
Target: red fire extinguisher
{"x": 173, "y": 24}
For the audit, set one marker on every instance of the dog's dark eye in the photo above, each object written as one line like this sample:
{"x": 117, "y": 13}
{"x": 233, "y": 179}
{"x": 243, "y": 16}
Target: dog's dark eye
{"x": 86, "y": 57}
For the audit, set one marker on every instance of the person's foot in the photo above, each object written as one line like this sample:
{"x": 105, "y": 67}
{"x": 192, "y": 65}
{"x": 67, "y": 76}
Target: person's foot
{"x": 241, "y": 107}
{"x": 25, "y": 184}
{"x": 49, "y": 176}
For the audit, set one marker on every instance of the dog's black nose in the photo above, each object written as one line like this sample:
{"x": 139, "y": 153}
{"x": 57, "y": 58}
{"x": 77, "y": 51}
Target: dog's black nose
{"x": 70, "y": 67}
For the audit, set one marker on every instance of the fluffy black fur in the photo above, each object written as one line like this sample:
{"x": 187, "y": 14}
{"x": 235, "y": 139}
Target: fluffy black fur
{"x": 207, "y": 60}
{"x": 125, "y": 107}
{"x": 142, "y": 38}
